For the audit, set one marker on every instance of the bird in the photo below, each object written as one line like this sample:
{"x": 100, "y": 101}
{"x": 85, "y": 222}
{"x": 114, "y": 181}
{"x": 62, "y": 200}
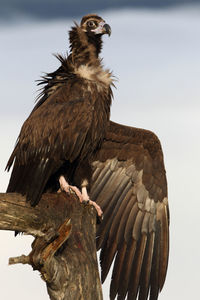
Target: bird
{"x": 69, "y": 142}
{"x": 129, "y": 184}
{"x": 68, "y": 122}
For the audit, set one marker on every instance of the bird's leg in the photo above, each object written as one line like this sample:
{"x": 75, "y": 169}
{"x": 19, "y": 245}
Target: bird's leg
{"x": 86, "y": 199}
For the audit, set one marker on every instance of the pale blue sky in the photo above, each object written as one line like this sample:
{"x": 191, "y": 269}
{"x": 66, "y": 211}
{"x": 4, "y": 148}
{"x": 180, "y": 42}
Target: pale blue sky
{"x": 155, "y": 56}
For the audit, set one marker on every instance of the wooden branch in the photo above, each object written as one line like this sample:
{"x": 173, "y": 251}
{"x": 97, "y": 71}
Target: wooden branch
{"x": 64, "y": 249}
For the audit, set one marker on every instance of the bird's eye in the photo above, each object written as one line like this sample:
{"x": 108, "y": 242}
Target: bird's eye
{"x": 91, "y": 23}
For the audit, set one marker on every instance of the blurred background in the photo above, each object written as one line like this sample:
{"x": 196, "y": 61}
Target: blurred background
{"x": 154, "y": 52}
{"x": 52, "y": 9}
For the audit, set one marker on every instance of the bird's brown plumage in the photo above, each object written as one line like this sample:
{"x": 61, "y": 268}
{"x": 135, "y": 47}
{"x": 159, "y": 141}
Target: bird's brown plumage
{"x": 68, "y": 122}
{"x": 129, "y": 184}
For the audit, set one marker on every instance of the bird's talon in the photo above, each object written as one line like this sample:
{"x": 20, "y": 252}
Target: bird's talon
{"x": 70, "y": 191}
{"x": 86, "y": 201}
{"x": 99, "y": 219}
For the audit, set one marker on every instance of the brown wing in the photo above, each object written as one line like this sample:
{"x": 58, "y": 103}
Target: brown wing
{"x": 53, "y": 133}
{"x": 129, "y": 184}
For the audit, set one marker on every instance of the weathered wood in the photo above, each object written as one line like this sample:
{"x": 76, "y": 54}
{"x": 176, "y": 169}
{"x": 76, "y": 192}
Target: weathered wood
{"x": 64, "y": 249}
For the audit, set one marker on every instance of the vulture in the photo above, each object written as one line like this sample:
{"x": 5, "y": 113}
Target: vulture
{"x": 68, "y": 123}
{"x": 68, "y": 142}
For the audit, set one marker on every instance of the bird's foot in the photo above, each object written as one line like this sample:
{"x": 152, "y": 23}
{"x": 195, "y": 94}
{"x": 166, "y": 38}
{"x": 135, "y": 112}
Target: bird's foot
{"x": 86, "y": 199}
{"x": 98, "y": 208}
{"x": 83, "y": 197}
{"x": 64, "y": 186}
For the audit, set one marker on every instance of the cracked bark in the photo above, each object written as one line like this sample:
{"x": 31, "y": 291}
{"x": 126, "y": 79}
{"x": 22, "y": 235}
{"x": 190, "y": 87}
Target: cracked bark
{"x": 64, "y": 249}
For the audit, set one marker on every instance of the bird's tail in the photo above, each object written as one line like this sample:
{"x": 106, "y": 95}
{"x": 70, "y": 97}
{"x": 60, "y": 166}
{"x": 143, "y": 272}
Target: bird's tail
{"x": 30, "y": 180}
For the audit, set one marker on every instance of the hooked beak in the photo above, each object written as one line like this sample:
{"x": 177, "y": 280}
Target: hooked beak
{"x": 102, "y": 29}
{"x": 107, "y": 29}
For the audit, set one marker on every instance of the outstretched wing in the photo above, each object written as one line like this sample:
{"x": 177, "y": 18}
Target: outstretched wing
{"x": 129, "y": 184}
{"x": 53, "y": 133}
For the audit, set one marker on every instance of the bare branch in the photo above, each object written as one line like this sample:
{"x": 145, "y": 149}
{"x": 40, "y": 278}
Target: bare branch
{"x": 23, "y": 259}
{"x": 64, "y": 249}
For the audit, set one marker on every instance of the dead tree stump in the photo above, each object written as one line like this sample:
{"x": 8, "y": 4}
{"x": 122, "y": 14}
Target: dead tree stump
{"x": 64, "y": 249}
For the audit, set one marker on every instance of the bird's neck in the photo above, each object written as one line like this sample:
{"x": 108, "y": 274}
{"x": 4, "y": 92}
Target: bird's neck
{"x": 84, "y": 49}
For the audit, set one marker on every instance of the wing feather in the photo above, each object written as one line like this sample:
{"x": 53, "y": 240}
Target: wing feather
{"x": 126, "y": 270}
{"x": 129, "y": 184}
{"x": 50, "y": 136}
{"x": 146, "y": 267}
{"x": 117, "y": 270}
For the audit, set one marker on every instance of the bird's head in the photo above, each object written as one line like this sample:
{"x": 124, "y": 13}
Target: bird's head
{"x": 85, "y": 39}
{"x": 94, "y": 25}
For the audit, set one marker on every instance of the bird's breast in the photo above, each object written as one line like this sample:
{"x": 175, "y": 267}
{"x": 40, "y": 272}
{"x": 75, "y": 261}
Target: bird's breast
{"x": 102, "y": 78}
